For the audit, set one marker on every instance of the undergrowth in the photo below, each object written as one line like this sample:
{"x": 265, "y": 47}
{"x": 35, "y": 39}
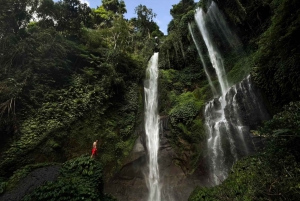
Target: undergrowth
{"x": 272, "y": 174}
{"x": 79, "y": 179}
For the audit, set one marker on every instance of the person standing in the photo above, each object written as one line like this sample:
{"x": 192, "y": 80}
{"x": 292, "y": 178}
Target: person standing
{"x": 94, "y": 149}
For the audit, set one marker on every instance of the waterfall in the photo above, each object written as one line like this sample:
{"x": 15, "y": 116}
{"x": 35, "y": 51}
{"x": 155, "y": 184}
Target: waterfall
{"x": 218, "y": 19}
{"x": 214, "y": 55}
{"x": 228, "y": 128}
{"x": 152, "y": 128}
{"x": 228, "y": 119}
{"x": 213, "y": 89}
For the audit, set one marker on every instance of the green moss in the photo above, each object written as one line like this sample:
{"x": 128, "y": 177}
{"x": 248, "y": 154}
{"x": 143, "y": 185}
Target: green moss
{"x": 204, "y": 93}
{"x": 58, "y": 134}
{"x": 3, "y": 185}
{"x": 253, "y": 179}
{"x": 22, "y": 173}
{"x": 114, "y": 129}
{"x": 167, "y": 75}
{"x": 182, "y": 96}
{"x": 241, "y": 66}
{"x": 187, "y": 128}
{"x": 79, "y": 179}
{"x": 277, "y": 58}
{"x": 186, "y": 108}
{"x": 51, "y": 118}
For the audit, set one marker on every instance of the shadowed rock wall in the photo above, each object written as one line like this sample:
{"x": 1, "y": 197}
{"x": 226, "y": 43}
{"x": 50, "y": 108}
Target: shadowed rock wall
{"x": 129, "y": 183}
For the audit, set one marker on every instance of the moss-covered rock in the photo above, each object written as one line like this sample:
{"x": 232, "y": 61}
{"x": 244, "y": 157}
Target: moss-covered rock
{"x": 80, "y": 179}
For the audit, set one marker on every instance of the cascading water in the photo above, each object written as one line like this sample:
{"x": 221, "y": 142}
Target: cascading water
{"x": 203, "y": 62}
{"x": 152, "y": 129}
{"x": 217, "y": 17}
{"x": 228, "y": 119}
{"x": 214, "y": 55}
{"x": 229, "y": 128}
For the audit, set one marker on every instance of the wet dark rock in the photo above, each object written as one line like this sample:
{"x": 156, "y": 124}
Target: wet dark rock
{"x": 244, "y": 103}
{"x": 230, "y": 136}
{"x": 217, "y": 104}
{"x": 33, "y": 180}
{"x": 129, "y": 184}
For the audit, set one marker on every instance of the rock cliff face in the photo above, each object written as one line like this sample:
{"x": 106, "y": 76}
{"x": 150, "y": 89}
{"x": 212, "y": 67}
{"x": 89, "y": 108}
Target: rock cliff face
{"x": 33, "y": 180}
{"x": 229, "y": 120}
{"x": 245, "y": 105}
{"x": 129, "y": 184}
{"x": 244, "y": 110}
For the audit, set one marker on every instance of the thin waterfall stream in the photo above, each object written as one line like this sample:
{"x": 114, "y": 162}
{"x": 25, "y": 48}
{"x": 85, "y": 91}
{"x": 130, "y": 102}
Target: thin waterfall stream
{"x": 214, "y": 91}
{"x": 214, "y": 55}
{"x": 152, "y": 129}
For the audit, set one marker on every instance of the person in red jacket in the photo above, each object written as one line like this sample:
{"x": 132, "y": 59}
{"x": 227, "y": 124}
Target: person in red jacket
{"x": 94, "y": 149}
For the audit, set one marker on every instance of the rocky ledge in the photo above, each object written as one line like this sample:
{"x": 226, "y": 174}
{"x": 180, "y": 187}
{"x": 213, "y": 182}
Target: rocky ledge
{"x": 33, "y": 180}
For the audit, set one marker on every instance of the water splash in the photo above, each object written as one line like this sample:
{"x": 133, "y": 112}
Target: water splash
{"x": 152, "y": 128}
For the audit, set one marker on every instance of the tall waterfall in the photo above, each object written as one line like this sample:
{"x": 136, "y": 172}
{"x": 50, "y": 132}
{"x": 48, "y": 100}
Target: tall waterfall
{"x": 217, "y": 17}
{"x": 228, "y": 119}
{"x": 214, "y": 55}
{"x": 214, "y": 91}
{"x": 152, "y": 128}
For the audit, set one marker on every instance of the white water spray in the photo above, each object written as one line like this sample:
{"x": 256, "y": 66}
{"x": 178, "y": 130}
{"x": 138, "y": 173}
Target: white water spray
{"x": 215, "y": 120}
{"x": 228, "y": 117}
{"x": 213, "y": 89}
{"x": 218, "y": 18}
{"x": 214, "y": 55}
{"x": 152, "y": 129}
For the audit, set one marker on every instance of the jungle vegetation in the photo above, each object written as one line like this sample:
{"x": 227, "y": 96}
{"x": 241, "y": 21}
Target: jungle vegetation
{"x": 269, "y": 32}
{"x": 71, "y": 74}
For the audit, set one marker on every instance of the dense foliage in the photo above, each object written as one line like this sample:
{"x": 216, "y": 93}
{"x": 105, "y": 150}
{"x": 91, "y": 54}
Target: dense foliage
{"x": 179, "y": 93}
{"x": 272, "y": 174}
{"x": 182, "y": 74}
{"x": 70, "y": 75}
{"x": 80, "y": 179}
{"x": 187, "y": 130}
{"x": 265, "y": 26}
{"x": 268, "y": 30}
{"x": 277, "y": 72}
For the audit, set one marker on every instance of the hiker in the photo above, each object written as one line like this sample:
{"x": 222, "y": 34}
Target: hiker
{"x": 94, "y": 149}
